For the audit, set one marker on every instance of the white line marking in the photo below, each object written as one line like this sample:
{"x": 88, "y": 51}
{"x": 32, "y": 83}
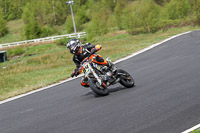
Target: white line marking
{"x": 61, "y": 82}
{"x": 192, "y": 129}
{"x": 150, "y": 47}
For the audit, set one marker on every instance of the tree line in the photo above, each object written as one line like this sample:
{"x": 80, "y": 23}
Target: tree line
{"x": 97, "y": 17}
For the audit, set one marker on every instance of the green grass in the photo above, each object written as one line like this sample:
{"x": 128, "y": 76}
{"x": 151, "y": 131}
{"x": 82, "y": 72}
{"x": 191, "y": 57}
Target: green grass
{"x": 31, "y": 50}
{"x": 40, "y": 65}
{"x": 196, "y": 131}
{"x": 15, "y": 32}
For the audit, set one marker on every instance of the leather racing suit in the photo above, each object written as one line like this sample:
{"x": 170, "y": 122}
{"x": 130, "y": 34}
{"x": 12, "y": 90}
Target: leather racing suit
{"x": 88, "y": 49}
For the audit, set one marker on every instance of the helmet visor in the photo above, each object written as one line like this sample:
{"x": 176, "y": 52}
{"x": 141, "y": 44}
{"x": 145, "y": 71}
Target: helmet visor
{"x": 73, "y": 46}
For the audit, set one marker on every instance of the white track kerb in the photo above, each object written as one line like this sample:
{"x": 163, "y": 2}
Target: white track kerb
{"x": 120, "y": 60}
{"x": 192, "y": 129}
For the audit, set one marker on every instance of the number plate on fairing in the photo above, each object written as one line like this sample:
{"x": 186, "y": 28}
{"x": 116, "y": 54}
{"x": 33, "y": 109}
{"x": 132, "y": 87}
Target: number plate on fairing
{"x": 86, "y": 69}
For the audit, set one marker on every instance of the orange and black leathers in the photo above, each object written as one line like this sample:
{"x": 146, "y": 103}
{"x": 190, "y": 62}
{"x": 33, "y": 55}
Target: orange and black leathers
{"x": 87, "y": 50}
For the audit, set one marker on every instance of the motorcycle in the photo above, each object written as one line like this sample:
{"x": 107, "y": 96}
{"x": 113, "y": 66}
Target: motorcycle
{"x": 101, "y": 76}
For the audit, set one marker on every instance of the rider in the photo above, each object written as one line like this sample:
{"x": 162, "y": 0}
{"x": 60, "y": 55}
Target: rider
{"x": 83, "y": 51}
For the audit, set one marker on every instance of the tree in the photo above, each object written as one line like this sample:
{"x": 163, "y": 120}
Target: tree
{"x": 99, "y": 23}
{"x": 28, "y": 13}
{"x": 82, "y": 16}
{"x": 3, "y": 28}
{"x": 178, "y": 9}
{"x": 32, "y": 28}
{"x": 141, "y": 16}
{"x": 161, "y": 2}
{"x": 69, "y": 24}
{"x": 195, "y": 4}
{"x": 13, "y": 9}
{"x": 60, "y": 12}
{"x": 109, "y": 4}
{"x": 118, "y": 12}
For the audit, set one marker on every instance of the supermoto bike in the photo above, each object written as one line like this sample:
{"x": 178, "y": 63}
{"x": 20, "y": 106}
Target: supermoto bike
{"x": 101, "y": 76}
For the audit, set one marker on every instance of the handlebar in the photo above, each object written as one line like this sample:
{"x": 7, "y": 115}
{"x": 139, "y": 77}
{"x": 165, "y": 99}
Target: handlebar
{"x": 87, "y": 58}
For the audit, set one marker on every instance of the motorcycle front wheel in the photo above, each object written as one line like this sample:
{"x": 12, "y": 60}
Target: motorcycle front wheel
{"x": 97, "y": 88}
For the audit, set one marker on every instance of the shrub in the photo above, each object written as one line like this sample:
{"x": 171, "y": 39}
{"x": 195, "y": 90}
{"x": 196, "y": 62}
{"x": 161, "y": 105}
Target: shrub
{"x": 32, "y": 30}
{"x": 16, "y": 51}
{"x": 82, "y": 16}
{"x": 160, "y": 2}
{"x": 196, "y": 10}
{"x": 99, "y": 24}
{"x": 70, "y": 26}
{"x": 178, "y": 9}
{"x": 118, "y": 13}
{"x": 3, "y": 28}
{"x": 166, "y": 24}
{"x": 62, "y": 42}
{"x": 47, "y": 31}
{"x": 141, "y": 17}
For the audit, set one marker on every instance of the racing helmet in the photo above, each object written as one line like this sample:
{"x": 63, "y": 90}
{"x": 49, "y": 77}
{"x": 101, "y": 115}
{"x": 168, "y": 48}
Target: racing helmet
{"x": 73, "y": 45}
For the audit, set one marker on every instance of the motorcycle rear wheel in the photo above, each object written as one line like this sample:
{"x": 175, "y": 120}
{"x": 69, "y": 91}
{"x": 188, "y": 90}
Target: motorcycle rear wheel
{"x": 97, "y": 89}
{"x": 126, "y": 79}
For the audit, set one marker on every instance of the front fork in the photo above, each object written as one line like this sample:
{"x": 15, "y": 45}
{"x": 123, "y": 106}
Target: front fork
{"x": 96, "y": 76}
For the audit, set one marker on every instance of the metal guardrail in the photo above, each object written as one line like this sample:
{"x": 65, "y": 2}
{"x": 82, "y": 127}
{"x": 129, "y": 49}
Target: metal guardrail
{"x": 53, "y": 38}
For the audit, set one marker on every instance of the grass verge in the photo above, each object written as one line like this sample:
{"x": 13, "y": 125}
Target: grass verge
{"x": 16, "y": 32}
{"x": 41, "y": 65}
{"x": 196, "y": 131}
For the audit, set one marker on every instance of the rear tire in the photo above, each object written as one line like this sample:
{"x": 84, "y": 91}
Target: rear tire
{"x": 126, "y": 79}
{"x": 103, "y": 91}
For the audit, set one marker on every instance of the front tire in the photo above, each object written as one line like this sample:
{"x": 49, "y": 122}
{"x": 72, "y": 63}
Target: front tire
{"x": 125, "y": 78}
{"x": 97, "y": 89}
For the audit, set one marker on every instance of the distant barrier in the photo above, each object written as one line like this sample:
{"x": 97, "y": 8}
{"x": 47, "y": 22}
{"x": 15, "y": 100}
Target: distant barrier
{"x": 53, "y": 38}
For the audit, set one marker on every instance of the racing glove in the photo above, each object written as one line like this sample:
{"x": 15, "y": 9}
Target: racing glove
{"x": 94, "y": 50}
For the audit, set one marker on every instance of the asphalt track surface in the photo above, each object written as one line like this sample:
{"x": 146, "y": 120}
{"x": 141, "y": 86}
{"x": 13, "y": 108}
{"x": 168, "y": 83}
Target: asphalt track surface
{"x": 166, "y": 98}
